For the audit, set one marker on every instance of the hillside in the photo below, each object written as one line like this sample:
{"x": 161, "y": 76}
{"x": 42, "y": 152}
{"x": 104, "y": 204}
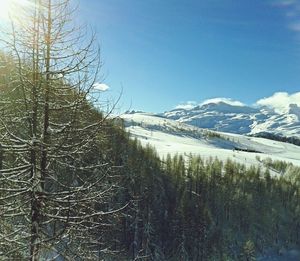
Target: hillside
{"x": 223, "y": 210}
{"x": 171, "y": 137}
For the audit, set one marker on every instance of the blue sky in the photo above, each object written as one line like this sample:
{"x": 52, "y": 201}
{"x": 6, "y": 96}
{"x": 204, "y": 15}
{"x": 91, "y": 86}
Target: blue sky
{"x": 163, "y": 53}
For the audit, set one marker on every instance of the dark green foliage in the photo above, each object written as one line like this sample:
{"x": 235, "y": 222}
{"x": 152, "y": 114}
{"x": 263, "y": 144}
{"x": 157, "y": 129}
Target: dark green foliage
{"x": 277, "y": 165}
{"x": 211, "y": 134}
{"x": 293, "y": 140}
{"x": 203, "y": 209}
{"x": 248, "y": 253}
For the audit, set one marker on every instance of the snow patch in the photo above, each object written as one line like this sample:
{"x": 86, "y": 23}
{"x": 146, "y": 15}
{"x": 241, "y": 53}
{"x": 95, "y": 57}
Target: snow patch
{"x": 224, "y": 100}
{"x": 173, "y": 137}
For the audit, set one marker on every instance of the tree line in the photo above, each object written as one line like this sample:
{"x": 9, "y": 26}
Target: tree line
{"x": 206, "y": 209}
{"x": 74, "y": 186}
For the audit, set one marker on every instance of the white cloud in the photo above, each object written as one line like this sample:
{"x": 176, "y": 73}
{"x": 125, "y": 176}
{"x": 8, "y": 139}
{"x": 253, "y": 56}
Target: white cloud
{"x": 292, "y": 11}
{"x": 192, "y": 104}
{"x": 187, "y": 105}
{"x": 225, "y": 100}
{"x": 285, "y": 2}
{"x": 280, "y": 101}
{"x": 295, "y": 26}
{"x": 291, "y": 14}
{"x": 100, "y": 87}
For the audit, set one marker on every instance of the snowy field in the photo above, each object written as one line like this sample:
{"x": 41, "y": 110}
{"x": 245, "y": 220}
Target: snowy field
{"x": 172, "y": 137}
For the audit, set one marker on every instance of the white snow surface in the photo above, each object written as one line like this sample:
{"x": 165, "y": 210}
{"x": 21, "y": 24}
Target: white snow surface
{"x": 172, "y": 137}
{"x": 221, "y": 115}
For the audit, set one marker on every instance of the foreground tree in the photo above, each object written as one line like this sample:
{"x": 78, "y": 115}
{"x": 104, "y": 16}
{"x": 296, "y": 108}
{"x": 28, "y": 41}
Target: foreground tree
{"x": 55, "y": 183}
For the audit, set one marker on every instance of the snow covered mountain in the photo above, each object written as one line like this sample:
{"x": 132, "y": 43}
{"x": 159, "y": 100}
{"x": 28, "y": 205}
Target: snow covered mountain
{"x": 173, "y": 137}
{"x": 240, "y": 119}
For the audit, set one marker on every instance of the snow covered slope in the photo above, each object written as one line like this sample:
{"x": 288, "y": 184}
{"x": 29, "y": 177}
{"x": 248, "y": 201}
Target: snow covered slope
{"x": 170, "y": 136}
{"x": 241, "y": 119}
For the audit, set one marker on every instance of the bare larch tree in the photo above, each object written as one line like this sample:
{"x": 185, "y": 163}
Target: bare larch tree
{"x": 55, "y": 182}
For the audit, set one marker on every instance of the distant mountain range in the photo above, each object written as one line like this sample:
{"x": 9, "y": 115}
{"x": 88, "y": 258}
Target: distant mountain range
{"x": 240, "y": 119}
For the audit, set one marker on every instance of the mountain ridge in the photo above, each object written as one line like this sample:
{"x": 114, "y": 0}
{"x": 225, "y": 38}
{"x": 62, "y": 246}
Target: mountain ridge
{"x": 239, "y": 119}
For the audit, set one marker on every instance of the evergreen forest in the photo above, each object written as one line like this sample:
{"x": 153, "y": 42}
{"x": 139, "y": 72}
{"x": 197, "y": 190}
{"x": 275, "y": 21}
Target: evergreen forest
{"x": 75, "y": 186}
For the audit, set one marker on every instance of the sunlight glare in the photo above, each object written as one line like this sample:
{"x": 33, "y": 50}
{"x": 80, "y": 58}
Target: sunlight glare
{"x": 10, "y": 8}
